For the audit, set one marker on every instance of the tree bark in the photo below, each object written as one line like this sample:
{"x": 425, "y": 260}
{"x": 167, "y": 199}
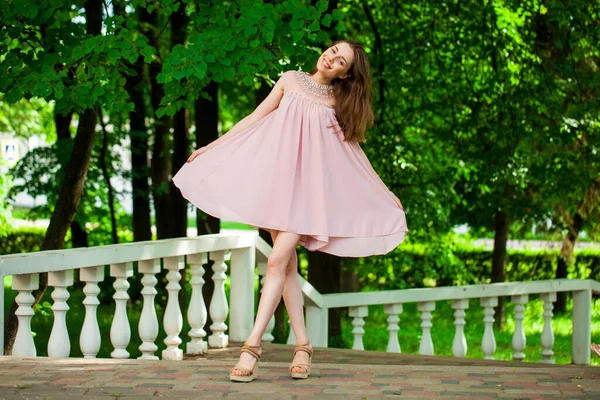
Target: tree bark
{"x": 324, "y": 273}
{"x": 181, "y": 140}
{"x": 501, "y": 224}
{"x": 589, "y": 202}
{"x": 106, "y": 176}
{"x": 206, "y": 114}
{"x": 160, "y": 162}
{"x": 71, "y": 187}
{"x": 138, "y": 136}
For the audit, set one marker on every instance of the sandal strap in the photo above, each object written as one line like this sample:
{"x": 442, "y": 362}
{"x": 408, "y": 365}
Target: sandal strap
{"x": 305, "y": 366}
{"x": 248, "y": 349}
{"x": 303, "y": 347}
{"x": 245, "y": 370}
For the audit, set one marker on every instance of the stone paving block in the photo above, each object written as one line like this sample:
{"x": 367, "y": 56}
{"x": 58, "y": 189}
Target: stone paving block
{"x": 116, "y": 391}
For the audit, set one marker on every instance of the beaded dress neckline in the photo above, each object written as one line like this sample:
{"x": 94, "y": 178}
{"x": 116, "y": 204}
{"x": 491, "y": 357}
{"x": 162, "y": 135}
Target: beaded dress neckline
{"x": 317, "y": 90}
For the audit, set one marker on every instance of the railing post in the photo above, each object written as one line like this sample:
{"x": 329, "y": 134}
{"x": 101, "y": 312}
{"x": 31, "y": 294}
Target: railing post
{"x": 459, "y": 346}
{"x": 488, "y": 343}
{"x": 547, "y": 338}
{"x": 241, "y": 294}
{"x": 173, "y": 318}
{"x": 24, "y": 345}
{"x": 392, "y": 310}
{"x": 582, "y": 322}
{"x": 426, "y": 345}
{"x": 148, "y": 324}
{"x": 197, "y": 314}
{"x": 358, "y": 313}
{"x": 519, "y": 340}
{"x": 219, "y": 308}
{"x": 317, "y": 324}
{"x": 120, "y": 332}
{"x": 89, "y": 339}
{"x": 59, "y": 344}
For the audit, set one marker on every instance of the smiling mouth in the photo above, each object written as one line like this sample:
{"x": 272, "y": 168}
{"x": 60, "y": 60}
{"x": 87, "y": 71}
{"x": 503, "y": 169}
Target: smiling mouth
{"x": 326, "y": 63}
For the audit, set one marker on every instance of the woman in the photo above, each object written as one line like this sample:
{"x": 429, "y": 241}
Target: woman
{"x": 294, "y": 167}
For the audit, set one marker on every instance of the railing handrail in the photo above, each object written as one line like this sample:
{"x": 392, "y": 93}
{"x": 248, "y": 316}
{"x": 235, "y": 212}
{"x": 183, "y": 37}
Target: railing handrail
{"x": 353, "y": 299}
{"x": 60, "y": 260}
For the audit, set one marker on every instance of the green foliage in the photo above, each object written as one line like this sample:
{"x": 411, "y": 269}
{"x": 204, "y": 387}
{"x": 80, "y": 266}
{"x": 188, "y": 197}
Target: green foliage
{"x": 5, "y": 207}
{"x": 449, "y": 263}
{"x": 23, "y": 240}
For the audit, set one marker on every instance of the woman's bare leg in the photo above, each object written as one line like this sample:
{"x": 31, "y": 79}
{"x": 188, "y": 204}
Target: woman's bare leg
{"x": 284, "y": 248}
{"x": 294, "y": 302}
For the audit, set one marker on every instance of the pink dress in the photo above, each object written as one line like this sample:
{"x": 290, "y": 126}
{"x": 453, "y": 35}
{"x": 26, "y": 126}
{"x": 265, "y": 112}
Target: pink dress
{"x": 291, "y": 171}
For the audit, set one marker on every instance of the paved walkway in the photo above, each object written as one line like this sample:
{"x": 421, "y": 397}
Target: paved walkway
{"x": 336, "y": 374}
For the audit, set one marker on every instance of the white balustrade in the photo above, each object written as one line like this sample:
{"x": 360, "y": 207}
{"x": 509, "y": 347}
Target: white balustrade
{"x": 426, "y": 345}
{"x": 358, "y": 314}
{"x": 90, "y": 339}
{"x": 197, "y": 313}
{"x": 393, "y": 310}
{"x": 148, "y": 325}
{"x": 519, "y": 340}
{"x": 291, "y": 335}
{"x": 246, "y": 252}
{"x": 173, "y": 318}
{"x": 120, "y": 333}
{"x": 59, "y": 344}
{"x": 547, "y": 338}
{"x": 218, "y": 304}
{"x": 459, "y": 345}
{"x": 24, "y": 284}
{"x": 488, "y": 344}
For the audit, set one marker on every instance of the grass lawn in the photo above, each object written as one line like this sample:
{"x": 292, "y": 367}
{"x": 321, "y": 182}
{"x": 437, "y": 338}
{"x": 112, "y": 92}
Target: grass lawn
{"x": 375, "y": 337}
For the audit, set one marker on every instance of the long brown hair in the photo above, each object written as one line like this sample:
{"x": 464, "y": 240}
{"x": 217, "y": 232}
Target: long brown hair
{"x": 354, "y": 95}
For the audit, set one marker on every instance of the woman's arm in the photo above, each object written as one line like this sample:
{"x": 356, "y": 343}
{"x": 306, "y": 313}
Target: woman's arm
{"x": 270, "y": 103}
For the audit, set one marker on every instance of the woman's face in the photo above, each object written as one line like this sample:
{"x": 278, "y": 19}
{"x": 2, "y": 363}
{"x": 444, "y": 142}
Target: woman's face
{"x": 336, "y": 61}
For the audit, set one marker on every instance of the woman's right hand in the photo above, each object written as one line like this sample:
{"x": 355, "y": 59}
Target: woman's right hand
{"x": 196, "y": 153}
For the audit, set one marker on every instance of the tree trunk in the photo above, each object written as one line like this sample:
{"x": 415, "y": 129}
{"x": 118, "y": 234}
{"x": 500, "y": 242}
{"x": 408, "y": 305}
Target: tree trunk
{"x": 501, "y": 225}
{"x": 181, "y": 145}
{"x": 71, "y": 188}
{"x": 588, "y": 203}
{"x": 138, "y": 136}
{"x": 324, "y": 273}
{"x": 206, "y": 114}
{"x": 106, "y": 176}
{"x": 160, "y": 163}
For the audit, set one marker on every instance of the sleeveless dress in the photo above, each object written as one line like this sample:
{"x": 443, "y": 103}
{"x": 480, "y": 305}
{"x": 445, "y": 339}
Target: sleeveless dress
{"x": 291, "y": 171}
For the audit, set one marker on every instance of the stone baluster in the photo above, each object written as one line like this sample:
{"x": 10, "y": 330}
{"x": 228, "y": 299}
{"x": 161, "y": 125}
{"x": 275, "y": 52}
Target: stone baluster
{"x": 197, "y": 313}
{"x": 393, "y": 310}
{"x": 519, "y": 340}
{"x": 218, "y": 304}
{"x": 148, "y": 325}
{"x": 90, "y": 339}
{"x": 426, "y": 346}
{"x": 173, "y": 318}
{"x": 120, "y": 333}
{"x": 358, "y": 313}
{"x": 268, "y": 335}
{"x": 59, "y": 344}
{"x": 24, "y": 345}
{"x": 547, "y": 338}
{"x": 488, "y": 344}
{"x": 459, "y": 346}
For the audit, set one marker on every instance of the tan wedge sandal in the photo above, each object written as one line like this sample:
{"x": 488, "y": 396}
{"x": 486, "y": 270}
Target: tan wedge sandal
{"x": 305, "y": 374}
{"x": 250, "y": 375}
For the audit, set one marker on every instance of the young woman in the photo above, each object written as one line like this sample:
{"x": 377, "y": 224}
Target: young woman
{"x": 294, "y": 167}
